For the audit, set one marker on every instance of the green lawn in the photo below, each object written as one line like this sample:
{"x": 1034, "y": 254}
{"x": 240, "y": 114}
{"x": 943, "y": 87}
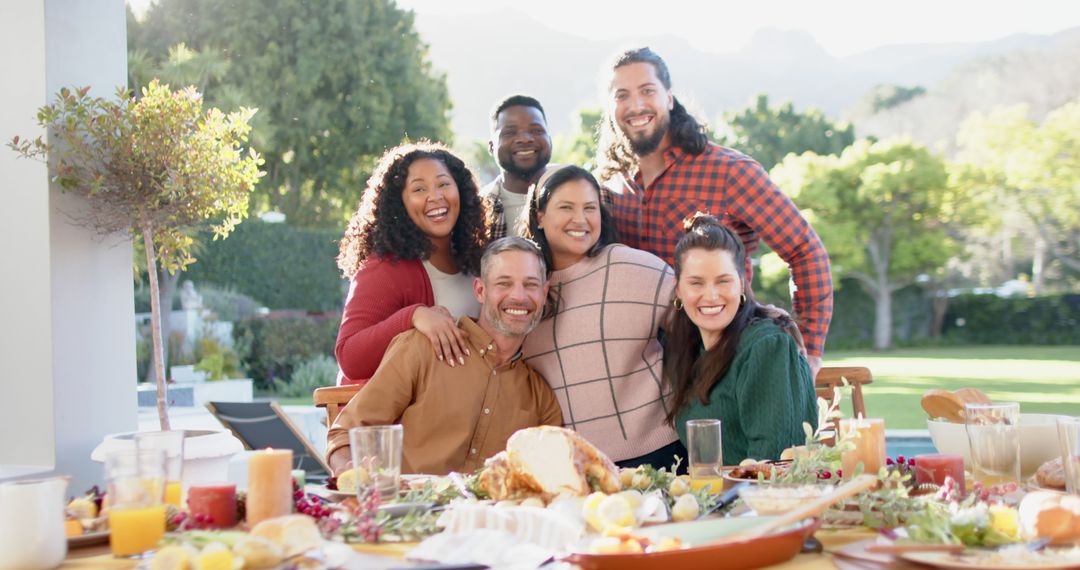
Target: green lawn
{"x": 1044, "y": 379}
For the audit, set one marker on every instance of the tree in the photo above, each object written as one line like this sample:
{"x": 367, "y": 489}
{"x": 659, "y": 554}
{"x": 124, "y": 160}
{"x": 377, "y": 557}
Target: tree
{"x": 1033, "y": 169}
{"x": 768, "y": 134}
{"x": 153, "y": 166}
{"x": 580, "y": 147}
{"x": 881, "y": 210}
{"x": 336, "y": 81}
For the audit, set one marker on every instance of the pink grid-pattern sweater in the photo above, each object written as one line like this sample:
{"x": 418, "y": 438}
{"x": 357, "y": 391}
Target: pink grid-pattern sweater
{"x": 599, "y": 351}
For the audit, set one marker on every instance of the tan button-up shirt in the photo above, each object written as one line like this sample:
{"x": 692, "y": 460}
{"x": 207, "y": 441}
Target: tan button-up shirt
{"x": 453, "y": 418}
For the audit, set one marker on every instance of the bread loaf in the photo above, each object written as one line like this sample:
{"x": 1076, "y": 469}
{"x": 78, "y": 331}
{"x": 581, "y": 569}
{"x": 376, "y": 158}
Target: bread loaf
{"x": 1051, "y": 515}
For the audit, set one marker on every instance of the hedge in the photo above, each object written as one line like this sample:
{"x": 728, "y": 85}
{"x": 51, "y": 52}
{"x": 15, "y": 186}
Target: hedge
{"x": 281, "y": 266}
{"x": 271, "y": 348}
{"x": 989, "y": 319}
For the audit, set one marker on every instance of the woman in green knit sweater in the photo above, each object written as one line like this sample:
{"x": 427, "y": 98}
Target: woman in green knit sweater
{"x": 731, "y": 358}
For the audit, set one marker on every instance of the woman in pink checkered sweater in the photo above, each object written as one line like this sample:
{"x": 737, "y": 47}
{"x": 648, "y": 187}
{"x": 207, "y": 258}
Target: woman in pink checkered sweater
{"x": 597, "y": 345}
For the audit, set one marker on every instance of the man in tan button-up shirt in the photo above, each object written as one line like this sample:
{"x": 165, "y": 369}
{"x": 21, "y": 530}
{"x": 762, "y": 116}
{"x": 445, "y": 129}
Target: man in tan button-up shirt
{"x": 455, "y": 418}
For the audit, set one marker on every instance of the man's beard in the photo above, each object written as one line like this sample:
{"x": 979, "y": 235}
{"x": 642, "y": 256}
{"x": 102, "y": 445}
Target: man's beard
{"x": 524, "y": 173}
{"x": 494, "y": 316}
{"x": 649, "y": 144}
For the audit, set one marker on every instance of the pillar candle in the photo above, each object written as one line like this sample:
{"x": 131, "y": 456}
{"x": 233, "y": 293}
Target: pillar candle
{"x": 216, "y": 501}
{"x": 269, "y": 492}
{"x": 868, "y": 434}
{"x": 934, "y": 467}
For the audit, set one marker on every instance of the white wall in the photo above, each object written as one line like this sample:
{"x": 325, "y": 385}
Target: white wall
{"x": 79, "y": 344}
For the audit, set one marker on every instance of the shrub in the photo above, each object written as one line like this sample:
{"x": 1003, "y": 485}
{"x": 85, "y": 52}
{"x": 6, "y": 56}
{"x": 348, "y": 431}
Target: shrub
{"x": 315, "y": 372}
{"x": 271, "y": 348}
{"x": 227, "y": 303}
{"x": 281, "y": 266}
{"x": 217, "y": 360}
{"x": 989, "y": 319}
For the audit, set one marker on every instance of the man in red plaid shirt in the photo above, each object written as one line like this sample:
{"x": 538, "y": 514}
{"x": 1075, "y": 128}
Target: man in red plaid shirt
{"x": 660, "y": 167}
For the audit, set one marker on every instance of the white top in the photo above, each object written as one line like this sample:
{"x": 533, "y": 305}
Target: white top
{"x": 513, "y": 206}
{"x": 453, "y": 291}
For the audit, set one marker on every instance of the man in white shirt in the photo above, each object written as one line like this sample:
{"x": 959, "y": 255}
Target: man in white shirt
{"x": 521, "y": 146}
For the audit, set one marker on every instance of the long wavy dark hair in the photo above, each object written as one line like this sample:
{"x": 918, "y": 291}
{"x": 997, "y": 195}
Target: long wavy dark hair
{"x": 691, "y": 372}
{"x": 381, "y": 226}
{"x": 539, "y": 196}
{"x": 614, "y": 153}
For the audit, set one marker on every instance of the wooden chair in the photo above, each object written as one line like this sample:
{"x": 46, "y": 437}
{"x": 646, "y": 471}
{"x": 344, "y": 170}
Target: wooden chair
{"x": 833, "y": 377}
{"x": 334, "y": 398}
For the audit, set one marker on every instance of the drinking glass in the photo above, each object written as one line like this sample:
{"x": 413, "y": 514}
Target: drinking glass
{"x": 135, "y": 483}
{"x": 704, "y": 445}
{"x": 376, "y": 454}
{"x": 1069, "y": 439}
{"x": 994, "y": 434}
{"x": 172, "y": 443}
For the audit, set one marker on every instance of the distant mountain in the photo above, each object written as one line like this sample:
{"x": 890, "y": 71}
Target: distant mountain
{"x": 1041, "y": 72}
{"x": 492, "y": 55}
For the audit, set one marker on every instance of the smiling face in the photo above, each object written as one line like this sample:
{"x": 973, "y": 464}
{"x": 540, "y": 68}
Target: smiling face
{"x": 521, "y": 143}
{"x": 431, "y": 198}
{"x": 710, "y": 290}
{"x": 641, "y": 106}
{"x": 571, "y": 222}
{"x": 511, "y": 293}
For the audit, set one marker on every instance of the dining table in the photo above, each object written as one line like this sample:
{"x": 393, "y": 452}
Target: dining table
{"x": 835, "y": 544}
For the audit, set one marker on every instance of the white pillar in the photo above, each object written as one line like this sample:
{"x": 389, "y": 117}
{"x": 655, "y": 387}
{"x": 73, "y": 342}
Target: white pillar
{"x": 67, "y": 338}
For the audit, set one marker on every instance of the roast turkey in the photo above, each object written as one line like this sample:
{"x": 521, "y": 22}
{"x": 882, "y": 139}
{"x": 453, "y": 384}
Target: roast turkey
{"x": 548, "y": 461}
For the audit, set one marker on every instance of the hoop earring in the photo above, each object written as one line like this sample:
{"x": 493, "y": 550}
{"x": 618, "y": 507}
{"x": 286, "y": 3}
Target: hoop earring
{"x": 677, "y": 303}
{"x": 742, "y": 299}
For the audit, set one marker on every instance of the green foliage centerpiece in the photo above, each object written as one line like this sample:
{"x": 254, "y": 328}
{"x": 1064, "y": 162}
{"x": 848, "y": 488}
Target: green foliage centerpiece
{"x": 153, "y": 165}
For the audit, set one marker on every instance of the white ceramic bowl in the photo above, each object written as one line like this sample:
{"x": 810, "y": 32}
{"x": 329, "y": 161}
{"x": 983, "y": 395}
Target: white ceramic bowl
{"x": 1038, "y": 440}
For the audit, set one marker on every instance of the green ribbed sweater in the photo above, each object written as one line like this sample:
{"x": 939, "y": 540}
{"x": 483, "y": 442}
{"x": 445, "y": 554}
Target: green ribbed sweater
{"x": 763, "y": 398}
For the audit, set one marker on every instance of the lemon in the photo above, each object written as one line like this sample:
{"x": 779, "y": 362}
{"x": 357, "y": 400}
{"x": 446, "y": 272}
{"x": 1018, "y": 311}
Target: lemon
{"x": 686, "y": 508}
{"x": 614, "y": 512}
{"x": 1004, "y": 520}
{"x": 214, "y": 556}
{"x": 626, "y": 476}
{"x": 633, "y": 497}
{"x": 83, "y": 508}
{"x": 590, "y": 507}
{"x": 348, "y": 480}
{"x": 678, "y": 487}
{"x": 172, "y": 557}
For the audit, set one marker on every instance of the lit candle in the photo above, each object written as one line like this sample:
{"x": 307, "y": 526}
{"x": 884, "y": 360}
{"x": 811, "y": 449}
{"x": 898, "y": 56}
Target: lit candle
{"x": 868, "y": 434}
{"x": 269, "y": 492}
{"x": 935, "y": 467}
{"x": 216, "y": 501}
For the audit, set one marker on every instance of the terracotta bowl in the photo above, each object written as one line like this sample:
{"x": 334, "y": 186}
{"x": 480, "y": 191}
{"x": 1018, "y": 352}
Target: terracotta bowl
{"x": 772, "y": 548}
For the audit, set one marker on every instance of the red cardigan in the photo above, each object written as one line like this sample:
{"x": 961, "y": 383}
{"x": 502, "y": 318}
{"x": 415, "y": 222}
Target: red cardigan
{"x": 382, "y": 298}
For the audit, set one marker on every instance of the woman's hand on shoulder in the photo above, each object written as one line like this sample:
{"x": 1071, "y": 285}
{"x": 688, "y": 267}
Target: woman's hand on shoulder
{"x": 448, "y": 340}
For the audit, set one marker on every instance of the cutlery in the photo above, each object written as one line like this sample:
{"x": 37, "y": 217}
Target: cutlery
{"x": 725, "y": 499}
{"x": 812, "y": 509}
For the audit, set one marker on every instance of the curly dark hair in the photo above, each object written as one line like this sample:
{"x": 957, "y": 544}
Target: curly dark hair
{"x": 614, "y": 153}
{"x": 381, "y": 226}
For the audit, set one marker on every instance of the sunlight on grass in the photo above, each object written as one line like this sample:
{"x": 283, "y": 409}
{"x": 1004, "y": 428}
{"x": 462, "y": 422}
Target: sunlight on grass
{"x": 1047, "y": 381}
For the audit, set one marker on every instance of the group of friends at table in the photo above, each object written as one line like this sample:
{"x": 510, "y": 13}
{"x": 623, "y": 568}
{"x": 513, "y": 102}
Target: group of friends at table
{"x": 618, "y": 307}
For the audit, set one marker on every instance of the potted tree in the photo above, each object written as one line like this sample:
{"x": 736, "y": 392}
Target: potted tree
{"x": 154, "y": 166}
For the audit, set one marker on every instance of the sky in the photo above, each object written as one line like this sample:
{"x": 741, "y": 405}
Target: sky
{"x": 842, "y": 27}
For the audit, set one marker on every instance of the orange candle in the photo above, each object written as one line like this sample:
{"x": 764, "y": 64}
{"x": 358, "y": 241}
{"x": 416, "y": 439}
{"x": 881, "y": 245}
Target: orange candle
{"x": 868, "y": 434}
{"x": 135, "y": 530}
{"x": 269, "y": 492}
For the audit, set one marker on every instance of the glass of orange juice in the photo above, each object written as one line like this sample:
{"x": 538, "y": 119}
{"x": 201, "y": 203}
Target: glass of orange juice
{"x": 706, "y": 459}
{"x": 135, "y": 484}
{"x": 172, "y": 442}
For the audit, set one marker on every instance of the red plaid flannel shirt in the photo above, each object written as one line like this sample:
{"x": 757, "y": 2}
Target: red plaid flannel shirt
{"x": 737, "y": 190}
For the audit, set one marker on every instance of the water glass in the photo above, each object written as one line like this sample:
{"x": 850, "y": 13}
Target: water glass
{"x": 1069, "y": 439}
{"x": 705, "y": 448}
{"x": 376, "y": 454}
{"x": 172, "y": 443}
{"x": 135, "y": 483}
{"x": 994, "y": 435}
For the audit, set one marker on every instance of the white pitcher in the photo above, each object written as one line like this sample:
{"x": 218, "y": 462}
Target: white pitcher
{"x": 32, "y": 524}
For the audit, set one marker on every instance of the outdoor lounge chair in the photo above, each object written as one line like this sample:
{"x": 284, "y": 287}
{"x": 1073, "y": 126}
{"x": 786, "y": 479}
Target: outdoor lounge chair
{"x": 264, "y": 424}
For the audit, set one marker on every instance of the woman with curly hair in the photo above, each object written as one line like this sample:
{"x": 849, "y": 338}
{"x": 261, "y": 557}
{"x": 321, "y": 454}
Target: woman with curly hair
{"x": 411, "y": 251}
{"x": 730, "y": 358}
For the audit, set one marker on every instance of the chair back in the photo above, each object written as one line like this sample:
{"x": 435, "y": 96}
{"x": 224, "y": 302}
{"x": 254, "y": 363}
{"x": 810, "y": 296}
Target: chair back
{"x": 259, "y": 425}
{"x": 334, "y": 398}
{"x": 833, "y": 377}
